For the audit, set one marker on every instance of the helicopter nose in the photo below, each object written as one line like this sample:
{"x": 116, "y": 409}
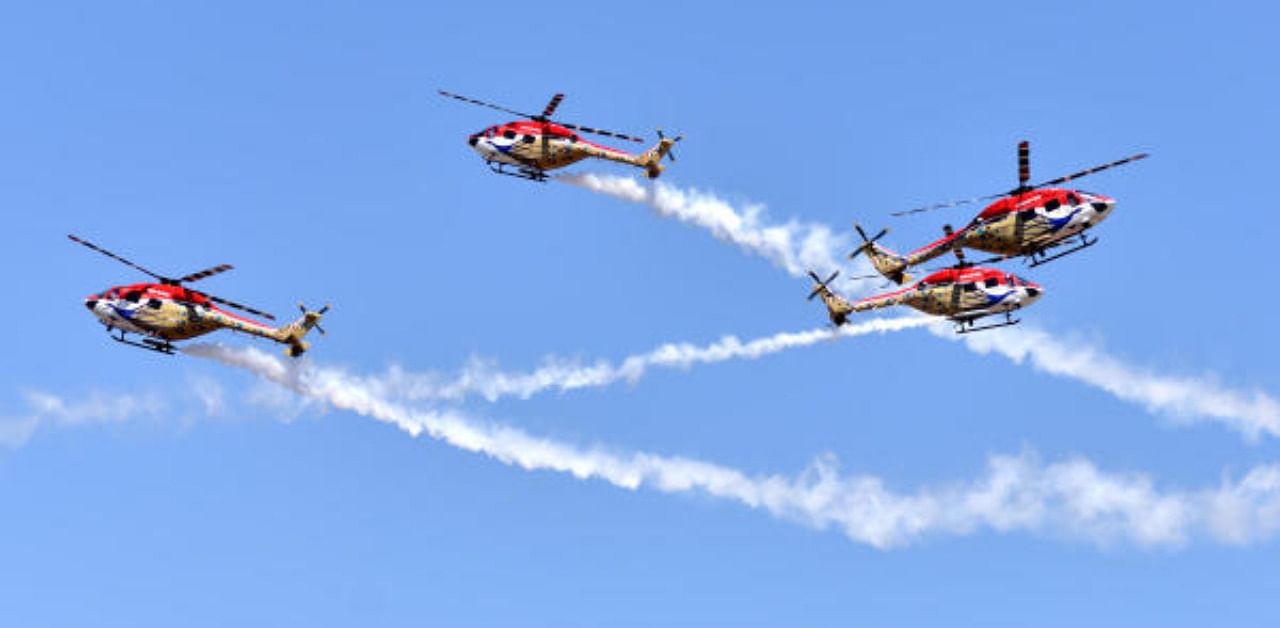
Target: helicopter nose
{"x": 473, "y": 139}
{"x": 91, "y": 303}
{"x": 1033, "y": 292}
{"x": 1103, "y": 207}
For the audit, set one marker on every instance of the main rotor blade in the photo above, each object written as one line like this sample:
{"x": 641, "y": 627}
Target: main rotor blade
{"x": 587, "y": 129}
{"x": 117, "y": 258}
{"x": 1095, "y": 169}
{"x": 486, "y": 104}
{"x": 206, "y": 273}
{"x": 551, "y": 106}
{"x": 239, "y": 306}
{"x": 929, "y": 208}
{"x": 1024, "y": 163}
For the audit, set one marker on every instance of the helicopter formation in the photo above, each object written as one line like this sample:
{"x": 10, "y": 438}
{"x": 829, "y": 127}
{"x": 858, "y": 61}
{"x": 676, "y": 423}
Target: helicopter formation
{"x": 1039, "y": 223}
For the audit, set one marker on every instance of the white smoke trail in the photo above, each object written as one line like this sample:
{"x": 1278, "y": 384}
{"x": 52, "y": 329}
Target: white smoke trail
{"x": 483, "y": 378}
{"x": 1184, "y": 398}
{"x": 1178, "y": 396}
{"x": 47, "y": 409}
{"x": 1017, "y": 493}
{"x": 795, "y": 247}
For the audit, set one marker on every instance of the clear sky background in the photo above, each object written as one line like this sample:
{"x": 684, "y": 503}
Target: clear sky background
{"x": 304, "y": 143}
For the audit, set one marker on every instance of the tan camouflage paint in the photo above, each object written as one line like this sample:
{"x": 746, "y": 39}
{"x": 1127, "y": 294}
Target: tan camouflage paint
{"x": 948, "y": 300}
{"x": 562, "y": 151}
{"x": 170, "y": 320}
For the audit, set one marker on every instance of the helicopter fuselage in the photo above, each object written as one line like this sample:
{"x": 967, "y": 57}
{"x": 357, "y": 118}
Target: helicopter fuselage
{"x": 1023, "y": 224}
{"x": 542, "y": 146}
{"x": 166, "y": 313}
{"x": 960, "y": 293}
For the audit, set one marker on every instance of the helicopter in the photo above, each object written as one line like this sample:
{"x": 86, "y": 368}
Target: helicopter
{"x": 531, "y": 147}
{"x": 1029, "y": 221}
{"x": 167, "y": 311}
{"x": 961, "y": 294}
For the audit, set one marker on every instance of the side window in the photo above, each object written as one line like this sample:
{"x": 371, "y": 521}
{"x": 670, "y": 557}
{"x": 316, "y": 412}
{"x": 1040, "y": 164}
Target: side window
{"x": 154, "y": 304}
{"x": 509, "y": 134}
{"x": 968, "y": 287}
{"x": 1073, "y": 200}
{"x": 528, "y": 139}
{"x": 992, "y": 282}
{"x": 133, "y": 297}
{"x": 1052, "y": 205}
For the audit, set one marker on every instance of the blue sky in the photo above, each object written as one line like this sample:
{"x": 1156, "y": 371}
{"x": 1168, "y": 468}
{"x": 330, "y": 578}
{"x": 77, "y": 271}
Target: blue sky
{"x": 305, "y": 144}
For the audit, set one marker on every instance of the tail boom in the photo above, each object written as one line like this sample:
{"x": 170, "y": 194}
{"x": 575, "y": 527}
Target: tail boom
{"x": 293, "y": 333}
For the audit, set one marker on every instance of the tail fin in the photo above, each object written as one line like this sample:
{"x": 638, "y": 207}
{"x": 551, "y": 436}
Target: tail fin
{"x": 838, "y": 309}
{"x": 889, "y": 264}
{"x": 651, "y": 160}
{"x": 293, "y": 333}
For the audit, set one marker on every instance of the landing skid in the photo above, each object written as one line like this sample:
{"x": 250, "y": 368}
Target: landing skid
{"x": 150, "y": 344}
{"x": 966, "y": 326}
{"x": 522, "y": 172}
{"x": 1037, "y": 258}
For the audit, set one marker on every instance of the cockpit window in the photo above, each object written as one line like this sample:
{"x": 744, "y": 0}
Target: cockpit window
{"x": 1052, "y": 205}
{"x": 509, "y": 134}
{"x": 992, "y": 282}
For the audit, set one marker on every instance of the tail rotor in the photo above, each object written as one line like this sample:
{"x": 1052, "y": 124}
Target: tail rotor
{"x": 866, "y": 242}
{"x": 318, "y": 313}
{"x": 837, "y": 308}
{"x": 662, "y": 140}
{"x": 293, "y": 333}
{"x": 822, "y": 285}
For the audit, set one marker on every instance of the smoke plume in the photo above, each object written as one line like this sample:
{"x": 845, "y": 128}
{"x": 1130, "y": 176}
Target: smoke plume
{"x": 485, "y": 379}
{"x": 1072, "y": 498}
{"x": 45, "y": 409}
{"x": 1186, "y": 399}
{"x": 792, "y": 246}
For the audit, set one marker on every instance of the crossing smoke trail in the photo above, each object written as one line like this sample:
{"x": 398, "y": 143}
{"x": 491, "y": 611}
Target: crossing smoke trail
{"x": 484, "y": 379}
{"x": 1017, "y": 493}
{"x": 1178, "y": 396}
{"x": 45, "y": 409}
{"x": 1184, "y": 398}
